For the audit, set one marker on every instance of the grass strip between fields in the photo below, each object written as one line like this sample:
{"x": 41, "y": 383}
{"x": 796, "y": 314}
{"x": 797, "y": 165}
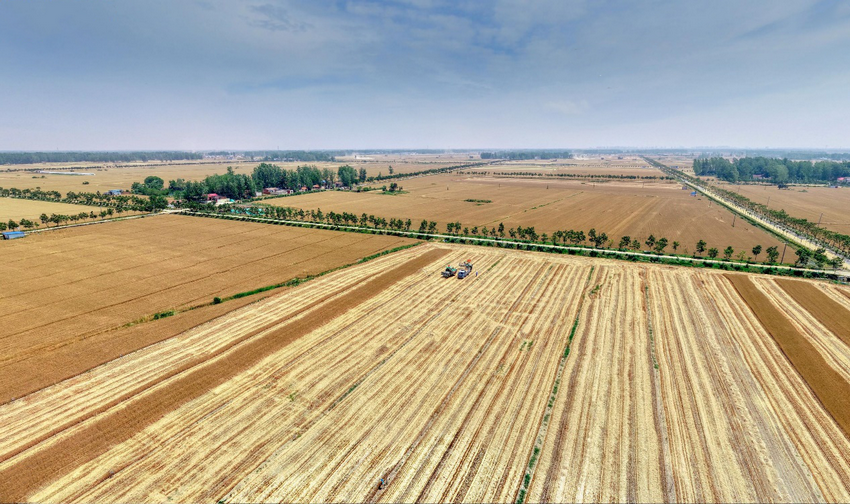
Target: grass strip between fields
{"x": 550, "y": 404}
{"x": 121, "y": 418}
{"x": 831, "y": 314}
{"x": 292, "y": 282}
{"x": 826, "y": 383}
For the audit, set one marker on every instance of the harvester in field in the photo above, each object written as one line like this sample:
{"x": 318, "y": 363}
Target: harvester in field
{"x": 464, "y": 269}
{"x": 449, "y": 271}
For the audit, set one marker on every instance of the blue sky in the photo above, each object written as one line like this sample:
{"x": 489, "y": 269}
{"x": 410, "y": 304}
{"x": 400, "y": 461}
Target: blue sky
{"x": 314, "y": 74}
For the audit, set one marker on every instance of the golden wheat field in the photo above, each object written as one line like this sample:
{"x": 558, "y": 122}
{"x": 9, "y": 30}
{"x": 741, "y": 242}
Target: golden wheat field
{"x": 618, "y": 208}
{"x": 538, "y": 378}
{"x": 14, "y": 208}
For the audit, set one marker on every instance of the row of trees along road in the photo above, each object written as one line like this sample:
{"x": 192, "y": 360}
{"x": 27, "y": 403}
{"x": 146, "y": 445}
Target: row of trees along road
{"x": 566, "y": 237}
{"x": 57, "y": 219}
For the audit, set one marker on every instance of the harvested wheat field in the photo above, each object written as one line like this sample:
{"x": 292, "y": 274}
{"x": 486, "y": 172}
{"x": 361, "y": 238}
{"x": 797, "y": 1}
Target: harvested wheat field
{"x": 628, "y": 166}
{"x": 69, "y": 295}
{"x": 803, "y": 202}
{"x": 17, "y": 209}
{"x": 542, "y": 377}
{"x": 107, "y": 177}
{"x": 617, "y": 208}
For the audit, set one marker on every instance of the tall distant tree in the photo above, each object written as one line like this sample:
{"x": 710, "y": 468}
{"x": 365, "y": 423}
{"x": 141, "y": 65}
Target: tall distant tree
{"x": 712, "y": 252}
{"x": 701, "y": 246}
{"x": 660, "y": 245}
{"x": 625, "y": 241}
{"x": 756, "y": 252}
{"x": 650, "y": 242}
{"x": 727, "y": 254}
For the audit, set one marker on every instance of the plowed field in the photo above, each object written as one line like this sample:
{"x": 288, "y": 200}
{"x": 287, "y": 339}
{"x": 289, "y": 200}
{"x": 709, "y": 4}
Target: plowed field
{"x": 543, "y": 378}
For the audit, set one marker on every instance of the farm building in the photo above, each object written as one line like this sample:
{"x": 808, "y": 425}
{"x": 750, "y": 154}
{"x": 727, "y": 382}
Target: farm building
{"x": 11, "y": 235}
{"x": 213, "y": 197}
{"x": 114, "y": 192}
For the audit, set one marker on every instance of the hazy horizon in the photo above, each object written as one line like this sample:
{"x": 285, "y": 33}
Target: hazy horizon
{"x": 423, "y": 74}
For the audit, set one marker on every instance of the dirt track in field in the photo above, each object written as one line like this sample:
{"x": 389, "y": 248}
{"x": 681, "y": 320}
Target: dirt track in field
{"x": 190, "y": 381}
{"x": 829, "y": 386}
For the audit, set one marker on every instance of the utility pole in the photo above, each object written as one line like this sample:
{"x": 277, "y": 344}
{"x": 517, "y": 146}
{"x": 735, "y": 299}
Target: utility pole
{"x": 768, "y": 202}
{"x": 821, "y": 217}
{"x": 783, "y": 253}
{"x": 734, "y": 216}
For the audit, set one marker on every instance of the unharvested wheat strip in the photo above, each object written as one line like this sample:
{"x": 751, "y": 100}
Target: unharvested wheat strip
{"x": 822, "y": 336}
{"x": 828, "y": 312}
{"x": 240, "y": 414}
{"x": 76, "y": 398}
{"x": 821, "y": 447}
{"x": 386, "y": 392}
{"x": 831, "y": 389}
{"x": 21, "y": 477}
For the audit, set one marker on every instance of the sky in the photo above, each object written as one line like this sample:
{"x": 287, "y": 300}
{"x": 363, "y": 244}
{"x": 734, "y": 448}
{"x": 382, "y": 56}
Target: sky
{"x": 455, "y": 74}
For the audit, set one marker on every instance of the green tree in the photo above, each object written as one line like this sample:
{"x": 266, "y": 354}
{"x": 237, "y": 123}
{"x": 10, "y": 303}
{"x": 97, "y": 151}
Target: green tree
{"x": 660, "y": 245}
{"x": 154, "y": 182}
{"x": 727, "y": 253}
{"x": 2, "y": 226}
{"x": 701, "y": 247}
{"x": 676, "y": 246}
{"x": 712, "y": 252}
{"x": 635, "y": 244}
{"x": 501, "y": 230}
{"x": 803, "y": 256}
{"x": 12, "y": 225}
{"x": 650, "y": 242}
{"x": 44, "y": 218}
{"x": 756, "y": 252}
{"x": 362, "y": 175}
{"x": 772, "y": 254}
{"x": 625, "y": 241}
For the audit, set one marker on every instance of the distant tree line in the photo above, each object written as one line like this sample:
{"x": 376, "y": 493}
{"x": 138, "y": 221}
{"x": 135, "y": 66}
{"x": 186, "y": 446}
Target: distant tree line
{"x": 284, "y": 155}
{"x": 93, "y": 157}
{"x": 570, "y": 175}
{"x": 777, "y": 170}
{"x": 527, "y": 154}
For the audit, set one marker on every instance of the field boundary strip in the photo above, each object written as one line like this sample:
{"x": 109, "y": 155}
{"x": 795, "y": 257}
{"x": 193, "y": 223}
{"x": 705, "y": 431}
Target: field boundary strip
{"x": 107, "y": 428}
{"x": 832, "y": 315}
{"x": 543, "y": 427}
{"x": 824, "y": 381}
{"x": 602, "y": 253}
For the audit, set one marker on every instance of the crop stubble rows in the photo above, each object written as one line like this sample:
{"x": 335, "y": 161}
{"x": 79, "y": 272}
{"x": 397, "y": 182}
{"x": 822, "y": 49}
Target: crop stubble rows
{"x": 440, "y": 387}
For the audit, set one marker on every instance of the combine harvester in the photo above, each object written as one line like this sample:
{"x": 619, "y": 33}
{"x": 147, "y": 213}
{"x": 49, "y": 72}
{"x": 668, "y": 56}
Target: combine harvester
{"x": 449, "y": 271}
{"x": 462, "y": 271}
